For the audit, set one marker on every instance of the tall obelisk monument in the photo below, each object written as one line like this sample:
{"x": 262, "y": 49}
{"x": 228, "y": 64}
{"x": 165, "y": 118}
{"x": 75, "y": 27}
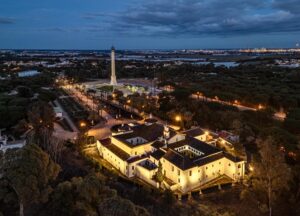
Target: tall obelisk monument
{"x": 113, "y": 78}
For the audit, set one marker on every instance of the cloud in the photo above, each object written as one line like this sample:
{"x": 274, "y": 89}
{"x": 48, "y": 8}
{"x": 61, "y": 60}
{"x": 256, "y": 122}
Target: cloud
{"x": 203, "y": 17}
{"x": 6, "y": 20}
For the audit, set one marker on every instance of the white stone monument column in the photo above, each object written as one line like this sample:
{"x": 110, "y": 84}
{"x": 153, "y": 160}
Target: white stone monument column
{"x": 113, "y": 78}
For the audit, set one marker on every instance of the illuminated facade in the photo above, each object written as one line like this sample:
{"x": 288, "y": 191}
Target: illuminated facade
{"x": 187, "y": 162}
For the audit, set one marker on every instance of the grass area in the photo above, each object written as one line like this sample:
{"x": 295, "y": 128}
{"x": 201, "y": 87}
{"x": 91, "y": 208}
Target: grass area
{"x": 107, "y": 88}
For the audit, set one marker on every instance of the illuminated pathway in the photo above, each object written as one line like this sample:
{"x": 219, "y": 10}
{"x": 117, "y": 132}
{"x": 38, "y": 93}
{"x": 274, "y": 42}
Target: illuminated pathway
{"x": 101, "y": 130}
{"x": 278, "y": 115}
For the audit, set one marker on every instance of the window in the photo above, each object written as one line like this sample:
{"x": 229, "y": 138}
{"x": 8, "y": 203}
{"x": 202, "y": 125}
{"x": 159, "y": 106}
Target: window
{"x": 172, "y": 168}
{"x": 206, "y": 167}
{"x": 178, "y": 172}
{"x": 165, "y": 172}
{"x": 239, "y": 166}
{"x": 212, "y": 165}
{"x": 178, "y": 180}
{"x": 135, "y": 153}
{"x": 220, "y": 162}
{"x": 190, "y": 172}
{"x": 229, "y": 164}
{"x": 132, "y": 167}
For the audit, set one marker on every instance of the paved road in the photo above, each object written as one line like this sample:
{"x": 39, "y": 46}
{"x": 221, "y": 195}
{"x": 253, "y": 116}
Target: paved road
{"x": 101, "y": 130}
{"x": 240, "y": 107}
{"x": 278, "y": 115}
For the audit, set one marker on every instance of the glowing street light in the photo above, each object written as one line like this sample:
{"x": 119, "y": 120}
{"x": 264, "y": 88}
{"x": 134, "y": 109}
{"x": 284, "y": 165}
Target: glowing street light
{"x": 260, "y": 106}
{"x": 82, "y": 124}
{"x": 178, "y": 118}
{"x": 251, "y": 168}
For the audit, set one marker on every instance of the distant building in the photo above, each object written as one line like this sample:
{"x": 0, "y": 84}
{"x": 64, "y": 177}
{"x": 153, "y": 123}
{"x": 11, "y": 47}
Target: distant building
{"x": 187, "y": 161}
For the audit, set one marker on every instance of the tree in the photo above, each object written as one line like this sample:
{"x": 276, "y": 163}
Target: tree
{"x": 244, "y": 131}
{"x": 181, "y": 94}
{"x": 94, "y": 117}
{"x": 271, "y": 174}
{"x": 80, "y": 196}
{"x": 159, "y": 175}
{"x": 27, "y": 172}
{"x": 187, "y": 118}
{"x": 41, "y": 117}
{"x": 117, "y": 206}
{"x": 168, "y": 198}
{"x": 24, "y": 91}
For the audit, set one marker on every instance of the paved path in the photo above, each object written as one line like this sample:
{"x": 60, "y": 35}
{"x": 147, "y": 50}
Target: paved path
{"x": 240, "y": 107}
{"x": 101, "y": 130}
{"x": 278, "y": 115}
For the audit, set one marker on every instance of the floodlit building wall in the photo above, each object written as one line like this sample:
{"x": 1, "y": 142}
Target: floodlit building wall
{"x": 202, "y": 137}
{"x": 176, "y": 138}
{"x": 131, "y": 169}
{"x": 138, "y": 150}
{"x": 146, "y": 175}
{"x": 187, "y": 179}
{"x": 197, "y": 176}
{"x": 171, "y": 171}
{"x": 114, "y": 160}
{"x": 121, "y": 145}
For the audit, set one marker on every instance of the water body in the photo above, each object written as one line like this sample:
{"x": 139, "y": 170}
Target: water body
{"x": 28, "y": 73}
{"x": 226, "y": 64}
{"x": 196, "y": 61}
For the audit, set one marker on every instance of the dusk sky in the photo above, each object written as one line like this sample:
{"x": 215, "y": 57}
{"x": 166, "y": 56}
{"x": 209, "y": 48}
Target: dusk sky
{"x": 148, "y": 24}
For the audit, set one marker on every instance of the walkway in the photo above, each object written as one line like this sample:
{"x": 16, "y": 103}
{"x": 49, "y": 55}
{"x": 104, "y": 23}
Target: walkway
{"x": 101, "y": 130}
{"x": 278, "y": 115}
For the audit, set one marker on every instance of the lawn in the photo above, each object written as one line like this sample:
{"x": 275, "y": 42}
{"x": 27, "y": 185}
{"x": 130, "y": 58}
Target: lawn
{"x": 107, "y": 88}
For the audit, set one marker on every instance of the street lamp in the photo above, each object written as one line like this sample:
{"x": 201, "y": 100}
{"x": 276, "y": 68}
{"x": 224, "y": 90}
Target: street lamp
{"x": 82, "y": 124}
{"x": 178, "y": 118}
{"x": 260, "y": 106}
{"x": 199, "y": 94}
